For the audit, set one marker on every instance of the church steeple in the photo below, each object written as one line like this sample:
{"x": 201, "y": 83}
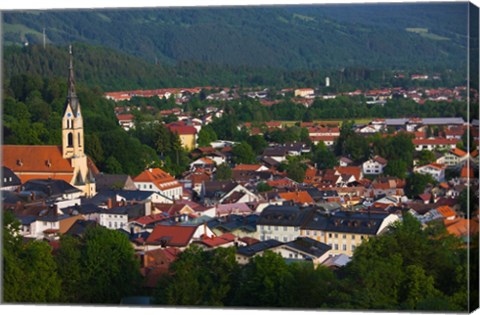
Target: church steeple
{"x": 72, "y": 99}
{"x": 72, "y": 122}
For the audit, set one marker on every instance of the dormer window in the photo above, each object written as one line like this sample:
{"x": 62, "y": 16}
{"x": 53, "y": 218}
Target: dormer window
{"x": 48, "y": 163}
{"x": 19, "y": 162}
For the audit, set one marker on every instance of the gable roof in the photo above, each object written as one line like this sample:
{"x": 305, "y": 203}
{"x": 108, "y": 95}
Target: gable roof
{"x": 251, "y": 250}
{"x": 446, "y": 211}
{"x": 167, "y": 235}
{"x": 46, "y": 159}
{"x": 297, "y": 196}
{"x": 50, "y": 187}
{"x": 158, "y": 177}
{"x": 309, "y": 246}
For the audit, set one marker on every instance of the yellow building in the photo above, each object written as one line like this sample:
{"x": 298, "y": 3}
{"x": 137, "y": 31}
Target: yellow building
{"x": 344, "y": 231}
{"x": 186, "y": 133}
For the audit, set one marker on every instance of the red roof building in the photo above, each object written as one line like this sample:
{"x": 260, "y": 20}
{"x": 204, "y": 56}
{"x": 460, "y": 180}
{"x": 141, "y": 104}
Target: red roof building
{"x": 156, "y": 179}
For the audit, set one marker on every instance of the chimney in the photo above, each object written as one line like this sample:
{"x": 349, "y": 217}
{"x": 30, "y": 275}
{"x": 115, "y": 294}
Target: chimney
{"x": 109, "y": 203}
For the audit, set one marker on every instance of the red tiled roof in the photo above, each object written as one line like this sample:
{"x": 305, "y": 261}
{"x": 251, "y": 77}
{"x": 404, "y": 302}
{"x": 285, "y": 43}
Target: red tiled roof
{"x": 23, "y": 158}
{"x": 37, "y": 162}
{"x": 126, "y": 117}
{"x": 159, "y": 177}
{"x": 246, "y": 167}
{"x": 458, "y": 152}
{"x": 446, "y": 211}
{"x": 177, "y": 236}
{"x": 466, "y": 172}
{"x": 461, "y": 227}
{"x": 150, "y": 218}
{"x": 356, "y": 171}
{"x": 436, "y": 141}
{"x": 181, "y": 128}
{"x": 219, "y": 240}
{"x": 297, "y": 196}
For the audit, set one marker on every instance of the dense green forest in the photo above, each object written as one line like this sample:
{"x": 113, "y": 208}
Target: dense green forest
{"x": 407, "y": 268}
{"x": 108, "y": 70}
{"x": 402, "y": 36}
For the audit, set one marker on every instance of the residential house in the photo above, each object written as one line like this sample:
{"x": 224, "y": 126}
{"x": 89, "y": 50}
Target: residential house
{"x": 374, "y": 166}
{"x": 178, "y": 236}
{"x": 156, "y": 179}
{"x": 305, "y": 92}
{"x": 437, "y": 171}
{"x": 455, "y": 157}
{"x": 431, "y": 144}
{"x": 114, "y": 182}
{"x": 186, "y": 133}
{"x": 10, "y": 181}
{"x": 126, "y": 121}
{"x": 298, "y": 197}
{"x": 57, "y": 192}
{"x": 281, "y": 223}
{"x": 246, "y": 253}
{"x": 238, "y": 225}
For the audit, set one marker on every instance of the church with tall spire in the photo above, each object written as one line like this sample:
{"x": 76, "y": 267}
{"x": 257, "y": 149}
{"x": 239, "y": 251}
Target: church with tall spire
{"x": 68, "y": 161}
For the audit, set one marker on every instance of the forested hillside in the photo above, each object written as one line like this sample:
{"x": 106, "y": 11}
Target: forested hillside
{"x": 405, "y": 36}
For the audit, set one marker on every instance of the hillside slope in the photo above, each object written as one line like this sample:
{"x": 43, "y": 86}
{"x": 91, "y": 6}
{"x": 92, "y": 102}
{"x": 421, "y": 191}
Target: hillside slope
{"x": 408, "y": 36}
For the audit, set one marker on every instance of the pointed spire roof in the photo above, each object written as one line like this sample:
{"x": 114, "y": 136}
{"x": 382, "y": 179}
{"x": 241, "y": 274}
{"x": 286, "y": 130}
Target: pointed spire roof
{"x": 72, "y": 99}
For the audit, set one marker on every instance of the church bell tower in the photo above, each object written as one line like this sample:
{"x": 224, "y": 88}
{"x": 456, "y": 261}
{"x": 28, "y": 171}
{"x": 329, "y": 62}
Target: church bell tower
{"x": 72, "y": 121}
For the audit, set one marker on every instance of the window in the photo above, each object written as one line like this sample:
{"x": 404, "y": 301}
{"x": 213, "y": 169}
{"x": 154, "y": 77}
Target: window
{"x": 276, "y": 228}
{"x": 151, "y": 186}
{"x": 44, "y": 223}
{"x": 344, "y": 236}
{"x": 269, "y": 227}
{"x": 315, "y": 233}
{"x": 109, "y": 224}
{"x": 308, "y": 232}
{"x": 261, "y": 227}
{"x": 322, "y": 233}
{"x": 285, "y": 239}
{"x": 353, "y": 248}
{"x": 330, "y": 235}
{"x": 344, "y": 247}
{"x": 336, "y": 235}
{"x": 335, "y": 246}
{"x": 285, "y": 228}
{"x": 353, "y": 237}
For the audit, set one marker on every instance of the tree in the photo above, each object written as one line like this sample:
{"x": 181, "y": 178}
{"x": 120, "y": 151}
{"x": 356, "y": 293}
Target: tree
{"x": 264, "y": 282}
{"x": 206, "y": 136}
{"x": 323, "y": 157}
{"x": 416, "y": 184}
{"x": 243, "y": 153}
{"x": 258, "y": 143}
{"x": 104, "y": 267}
{"x": 296, "y": 171}
{"x": 200, "y": 278}
{"x": 425, "y": 157}
{"x": 30, "y": 273}
{"x": 396, "y": 168}
{"x": 263, "y": 187}
{"x": 223, "y": 172}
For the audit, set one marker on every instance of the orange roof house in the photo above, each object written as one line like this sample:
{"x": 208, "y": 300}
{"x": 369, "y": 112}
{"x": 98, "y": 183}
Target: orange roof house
{"x": 447, "y": 212}
{"x": 156, "y": 179}
{"x": 461, "y": 227}
{"x": 355, "y": 171}
{"x": 297, "y": 197}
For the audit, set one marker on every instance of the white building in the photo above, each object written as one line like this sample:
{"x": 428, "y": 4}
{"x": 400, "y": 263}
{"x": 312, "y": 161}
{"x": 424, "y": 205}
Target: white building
{"x": 374, "y": 166}
{"x": 436, "y": 170}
